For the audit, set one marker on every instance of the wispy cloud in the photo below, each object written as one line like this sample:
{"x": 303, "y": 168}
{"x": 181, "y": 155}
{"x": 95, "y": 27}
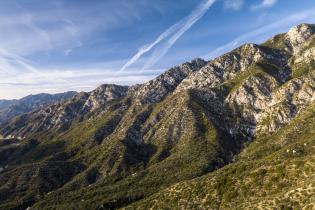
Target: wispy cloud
{"x": 58, "y": 26}
{"x": 264, "y": 4}
{"x": 169, "y": 37}
{"x": 67, "y": 52}
{"x": 30, "y": 33}
{"x": 60, "y": 80}
{"x": 12, "y": 62}
{"x": 264, "y": 32}
{"x": 233, "y": 4}
{"x": 13, "y": 66}
{"x": 148, "y": 47}
{"x": 186, "y": 24}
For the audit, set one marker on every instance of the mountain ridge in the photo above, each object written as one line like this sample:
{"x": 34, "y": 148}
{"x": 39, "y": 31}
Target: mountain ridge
{"x": 200, "y": 125}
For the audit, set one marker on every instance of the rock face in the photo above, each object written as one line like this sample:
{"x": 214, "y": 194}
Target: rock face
{"x": 124, "y": 144}
{"x": 156, "y": 89}
{"x": 298, "y": 35}
{"x": 102, "y": 95}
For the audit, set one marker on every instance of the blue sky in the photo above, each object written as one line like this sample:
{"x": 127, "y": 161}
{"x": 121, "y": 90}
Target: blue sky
{"x": 60, "y": 45}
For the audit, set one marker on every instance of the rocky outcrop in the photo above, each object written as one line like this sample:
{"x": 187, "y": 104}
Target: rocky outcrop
{"x": 297, "y": 37}
{"x": 156, "y": 89}
{"x": 101, "y": 95}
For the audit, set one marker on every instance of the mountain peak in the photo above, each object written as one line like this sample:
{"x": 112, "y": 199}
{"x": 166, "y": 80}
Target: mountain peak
{"x": 299, "y": 34}
{"x": 303, "y": 28}
{"x": 105, "y": 93}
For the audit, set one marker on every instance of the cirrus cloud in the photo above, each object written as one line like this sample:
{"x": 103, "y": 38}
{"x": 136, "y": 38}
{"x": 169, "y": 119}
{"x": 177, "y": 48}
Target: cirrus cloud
{"x": 233, "y": 4}
{"x": 171, "y": 35}
{"x": 264, "y": 4}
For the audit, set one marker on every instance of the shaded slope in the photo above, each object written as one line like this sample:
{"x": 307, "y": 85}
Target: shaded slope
{"x": 275, "y": 171}
{"x": 195, "y": 147}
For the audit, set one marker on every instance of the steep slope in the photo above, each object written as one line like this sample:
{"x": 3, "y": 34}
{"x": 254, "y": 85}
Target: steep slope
{"x": 187, "y": 146}
{"x": 13, "y": 108}
{"x": 85, "y": 105}
{"x": 61, "y": 115}
{"x": 101, "y": 132}
{"x": 274, "y": 172}
{"x": 230, "y": 119}
{"x": 156, "y": 89}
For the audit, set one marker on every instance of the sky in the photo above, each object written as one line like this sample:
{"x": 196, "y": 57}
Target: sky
{"x": 61, "y": 45}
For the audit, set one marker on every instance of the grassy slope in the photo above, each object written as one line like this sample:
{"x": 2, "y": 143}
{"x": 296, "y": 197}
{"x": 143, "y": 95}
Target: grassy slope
{"x": 195, "y": 152}
{"x": 276, "y": 171}
{"x": 53, "y": 159}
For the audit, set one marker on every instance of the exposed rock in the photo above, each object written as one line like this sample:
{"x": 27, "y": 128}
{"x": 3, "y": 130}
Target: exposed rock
{"x": 156, "y": 89}
{"x": 101, "y": 95}
{"x": 298, "y": 35}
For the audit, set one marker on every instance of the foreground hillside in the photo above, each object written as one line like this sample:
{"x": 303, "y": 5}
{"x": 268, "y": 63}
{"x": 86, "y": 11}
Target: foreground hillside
{"x": 232, "y": 133}
{"x": 274, "y": 172}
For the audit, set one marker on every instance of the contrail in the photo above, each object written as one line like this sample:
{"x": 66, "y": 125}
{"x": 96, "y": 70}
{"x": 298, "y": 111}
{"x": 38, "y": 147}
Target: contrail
{"x": 148, "y": 47}
{"x": 7, "y": 57}
{"x": 174, "y": 32}
{"x": 196, "y": 14}
{"x": 18, "y": 59}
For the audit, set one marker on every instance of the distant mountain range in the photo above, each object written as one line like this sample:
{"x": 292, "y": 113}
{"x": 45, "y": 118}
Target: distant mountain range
{"x": 236, "y": 132}
{"x": 6, "y": 103}
{"x": 13, "y": 108}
